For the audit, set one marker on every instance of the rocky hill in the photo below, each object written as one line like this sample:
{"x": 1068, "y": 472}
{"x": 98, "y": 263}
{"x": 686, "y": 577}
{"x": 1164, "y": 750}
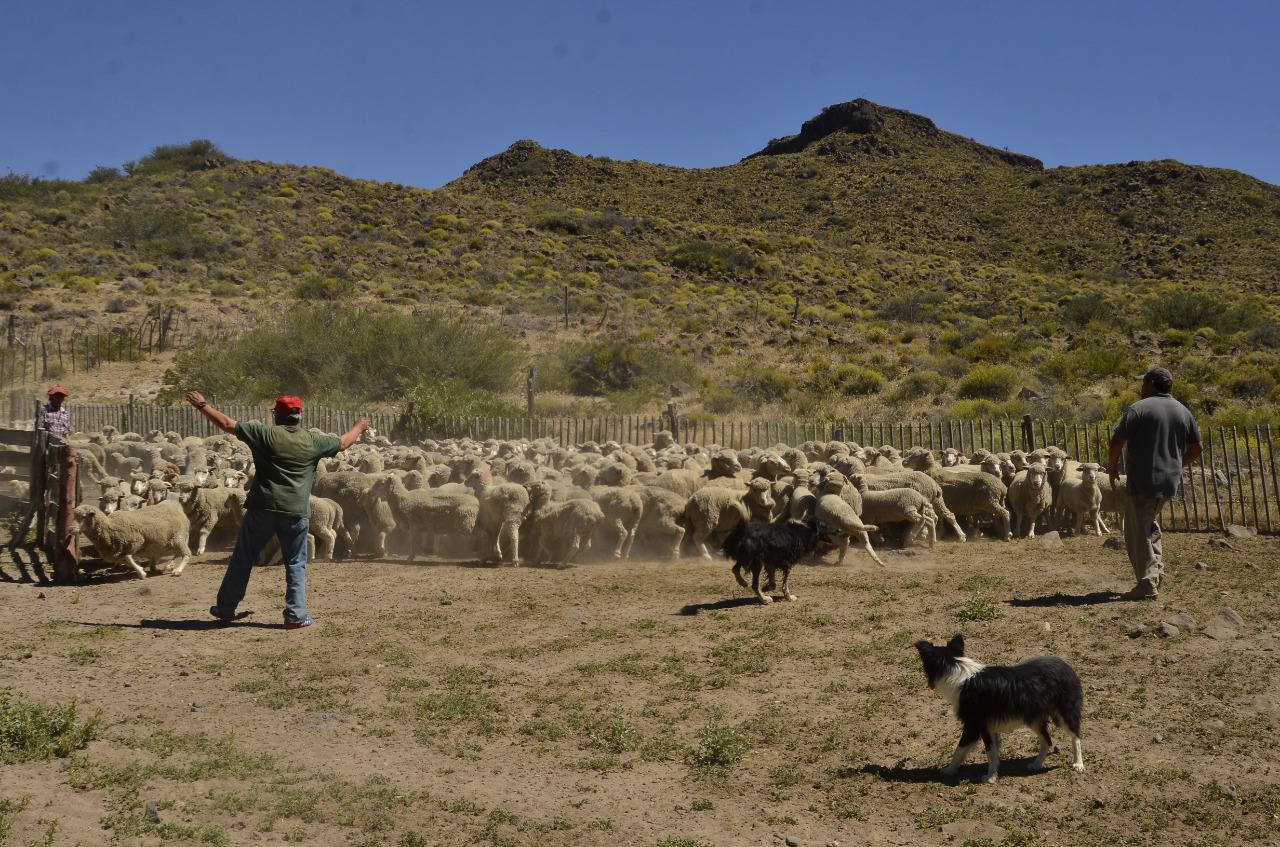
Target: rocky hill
{"x": 871, "y": 264}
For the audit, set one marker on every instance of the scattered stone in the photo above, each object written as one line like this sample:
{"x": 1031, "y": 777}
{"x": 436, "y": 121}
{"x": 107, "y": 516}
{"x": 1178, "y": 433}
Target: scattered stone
{"x": 40, "y": 596}
{"x": 1168, "y": 630}
{"x": 1183, "y": 621}
{"x": 1159, "y": 738}
{"x": 1238, "y": 531}
{"x": 144, "y": 591}
{"x": 1215, "y": 724}
{"x": 1201, "y": 566}
{"x": 1136, "y": 630}
{"x": 1225, "y": 625}
{"x": 1050, "y": 541}
{"x": 791, "y": 841}
{"x": 1220, "y": 543}
{"x": 1046, "y": 626}
{"x": 833, "y": 844}
{"x": 197, "y": 705}
{"x": 152, "y": 812}
{"x": 1172, "y": 659}
{"x": 184, "y": 673}
{"x": 1114, "y": 542}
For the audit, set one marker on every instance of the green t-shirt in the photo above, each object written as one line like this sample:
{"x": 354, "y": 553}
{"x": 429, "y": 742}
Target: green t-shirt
{"x": 284, "y": 463}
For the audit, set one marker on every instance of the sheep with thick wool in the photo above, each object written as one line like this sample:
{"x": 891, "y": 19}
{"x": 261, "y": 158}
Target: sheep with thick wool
{"x": 840, "y": 504}
{"x": 502, "y": 508}
{"x": 558, "y": 530}
{"x": 898, "y": 505}
{"x": 716, "y": 510}
{"x": 1082, "y": 496}
{"x": 427, "y": 512}
{"x": 207, "y": 507}
{"x": 1030, "y": 498}
{"x": 156, "y": 535}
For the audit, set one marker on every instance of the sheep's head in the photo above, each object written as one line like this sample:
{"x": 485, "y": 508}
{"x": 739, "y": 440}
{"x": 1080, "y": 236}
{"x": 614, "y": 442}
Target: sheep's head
{"x": 616, "y": 475}
{"x": 186, "y": 491}
{"x": 540, "y": 493}
{"x": 83, "y": 516}
{"x": 834, "y": 483}
{"x": 759, "y": 498}
{"x": 1037, "y": 475}
{"x": 725, "y": 463}
{"x": 772, "y": 466}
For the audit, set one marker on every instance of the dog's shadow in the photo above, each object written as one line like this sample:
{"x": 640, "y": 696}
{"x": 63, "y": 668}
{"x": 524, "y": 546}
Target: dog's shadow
{"x": 718, "y": 605}
{"x": 1010, "y": 769}
{"x": 1051, "y": 600}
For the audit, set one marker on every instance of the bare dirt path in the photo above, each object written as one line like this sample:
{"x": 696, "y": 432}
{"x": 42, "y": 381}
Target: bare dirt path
{"x": 645, "y": 704}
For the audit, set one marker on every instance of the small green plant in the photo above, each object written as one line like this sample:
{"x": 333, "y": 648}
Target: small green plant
{"x": 31, "y": 732}
{"x": 719, "y": 749}
{"x": 978, "y": 609}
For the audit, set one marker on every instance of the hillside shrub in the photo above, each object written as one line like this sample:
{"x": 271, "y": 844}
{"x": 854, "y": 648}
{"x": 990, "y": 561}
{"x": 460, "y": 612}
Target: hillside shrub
{"x": 1194, "y": 310}
{"x": 155, "y": 231}
{"x": 989, "y": 382}
{"x": 706, "y": 257}
{"x": 104, "y": 173}
{"x": 1089, "y": 308}
{"x": 608, "y": 366}
{"x": 341, "y": 355}
{"x": 195, "y": 155}
{"x": 849, "y": 379}
{"x": 919, "y": 384}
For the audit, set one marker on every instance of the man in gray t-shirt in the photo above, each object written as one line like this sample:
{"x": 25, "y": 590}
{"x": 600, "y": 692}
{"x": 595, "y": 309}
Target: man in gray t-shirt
{"x": 1159, "y": 438}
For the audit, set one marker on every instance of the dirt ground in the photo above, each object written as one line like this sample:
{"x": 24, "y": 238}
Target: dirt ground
{"x": 645, "y": 703}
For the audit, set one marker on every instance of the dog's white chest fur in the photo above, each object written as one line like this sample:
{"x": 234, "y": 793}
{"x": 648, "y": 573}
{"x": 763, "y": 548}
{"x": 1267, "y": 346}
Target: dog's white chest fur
{"x": 949, "y": 684}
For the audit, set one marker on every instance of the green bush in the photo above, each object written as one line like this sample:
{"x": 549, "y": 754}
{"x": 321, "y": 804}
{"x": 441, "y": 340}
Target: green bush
{"x": 325, "y": 288}
{"x": 920, "y": 384}
{"x": 1089, "y": 308}
{"x": 342, "y": 355}
{"x": 712, "y": 259}
{"x": 104, "y": 173}
{"x": 155, "y": 231}
{"x": 1193, "y": 310}
{"x": 195, "y": 155}
{"x": 989, "y": 382}
{"x": 599, "y": 368}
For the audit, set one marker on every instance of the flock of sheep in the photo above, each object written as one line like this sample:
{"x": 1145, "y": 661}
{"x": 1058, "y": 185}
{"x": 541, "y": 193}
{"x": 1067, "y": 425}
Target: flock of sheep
{"x": 161, "y": 496}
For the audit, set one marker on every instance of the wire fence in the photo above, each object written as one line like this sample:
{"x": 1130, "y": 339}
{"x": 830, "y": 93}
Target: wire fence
{"x": 1235, "y": 481}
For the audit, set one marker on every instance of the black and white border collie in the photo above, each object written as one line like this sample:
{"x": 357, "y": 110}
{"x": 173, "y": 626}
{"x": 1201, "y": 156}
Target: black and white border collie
{"x": 990, "y": 700}
{"x": 769, "y": 547}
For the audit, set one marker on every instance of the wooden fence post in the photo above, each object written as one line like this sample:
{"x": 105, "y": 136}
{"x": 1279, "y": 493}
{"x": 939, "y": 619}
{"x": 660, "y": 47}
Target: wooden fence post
{"x": 66, "y": 558}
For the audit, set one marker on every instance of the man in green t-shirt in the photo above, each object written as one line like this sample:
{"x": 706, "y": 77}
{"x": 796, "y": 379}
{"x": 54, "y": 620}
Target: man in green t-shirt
{"x": 284, "y": 463}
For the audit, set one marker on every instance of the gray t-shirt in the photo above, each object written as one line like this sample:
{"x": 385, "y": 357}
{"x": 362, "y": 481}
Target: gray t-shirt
{"x": 1157, "y": 431}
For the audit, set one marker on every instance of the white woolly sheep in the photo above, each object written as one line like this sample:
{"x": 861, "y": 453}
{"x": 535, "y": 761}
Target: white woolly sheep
{"x": 967, "y": 492}
{"x": 207, "y": 507}
{"x": 1082, "y": 497}
{"x": 898, "y": 505}
{"x": 502, "y": 508}
{"x": 835, "y": 507}
{"x": 155, "y": 535}
{"x": 716, "y": 510}
{"x": 1029, "y": 498}
{"x": 558, "y": 530}
{"x": 429, "y": 512}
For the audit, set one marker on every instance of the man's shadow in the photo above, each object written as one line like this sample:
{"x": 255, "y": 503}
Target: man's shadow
{"x": 1058, "y": 599}
{"x": 189, "y": 625}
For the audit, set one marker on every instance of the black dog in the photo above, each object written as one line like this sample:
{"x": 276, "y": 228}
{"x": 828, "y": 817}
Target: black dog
{"x": 773, "y": 547}
{"x": 991, "y": 699}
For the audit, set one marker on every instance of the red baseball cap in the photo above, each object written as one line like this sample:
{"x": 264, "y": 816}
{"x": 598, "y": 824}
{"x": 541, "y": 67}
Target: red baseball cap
{"x": 57, "y": 389}
{"x": 286, "y": 405}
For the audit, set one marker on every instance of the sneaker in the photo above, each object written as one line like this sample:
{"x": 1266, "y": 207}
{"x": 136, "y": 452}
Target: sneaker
{"x": 225, "y": 617}
{"x": 307, "y": 621}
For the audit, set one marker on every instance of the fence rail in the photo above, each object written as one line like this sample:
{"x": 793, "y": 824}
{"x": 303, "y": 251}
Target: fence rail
{"x": 1236, "y": 480}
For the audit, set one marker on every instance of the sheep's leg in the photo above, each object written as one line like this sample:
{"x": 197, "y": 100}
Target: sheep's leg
{"x": 182, "y": 563}
{"x": 202, "y": 536}
{"x": 866, "y": 542}
{"x": 330, "y": 539}
{"x": 631, "y": 539}
{"x": 575, "y": 547}
{"x": 700, "y": 537}
{"x": 131, "y": 562}
{"x": 622, "y": 537}
{"x": 1102, "y": 524}
{"x": 844, "y": 548}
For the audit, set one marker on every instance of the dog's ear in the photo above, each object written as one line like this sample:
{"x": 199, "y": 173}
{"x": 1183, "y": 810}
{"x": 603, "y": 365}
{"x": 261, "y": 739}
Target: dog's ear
{"x": 923, "y": 647}
{"x": 956, "y": 645}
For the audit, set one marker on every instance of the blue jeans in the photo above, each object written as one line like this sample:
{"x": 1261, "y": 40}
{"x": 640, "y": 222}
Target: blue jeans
{"x": 255, "y": 531}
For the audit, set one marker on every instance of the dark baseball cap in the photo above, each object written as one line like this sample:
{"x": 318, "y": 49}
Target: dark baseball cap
{"x": 1159, "y": 377}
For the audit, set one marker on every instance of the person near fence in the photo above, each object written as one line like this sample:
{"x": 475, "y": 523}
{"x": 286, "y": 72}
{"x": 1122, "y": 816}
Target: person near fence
{"x": 1158, "y": 437}
{"x": 54, "y": 419}
{"x": 284, "y": 461}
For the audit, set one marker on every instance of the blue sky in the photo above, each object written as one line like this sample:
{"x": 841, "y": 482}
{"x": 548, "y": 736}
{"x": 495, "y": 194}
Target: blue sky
{"x": 416, "y": 92}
